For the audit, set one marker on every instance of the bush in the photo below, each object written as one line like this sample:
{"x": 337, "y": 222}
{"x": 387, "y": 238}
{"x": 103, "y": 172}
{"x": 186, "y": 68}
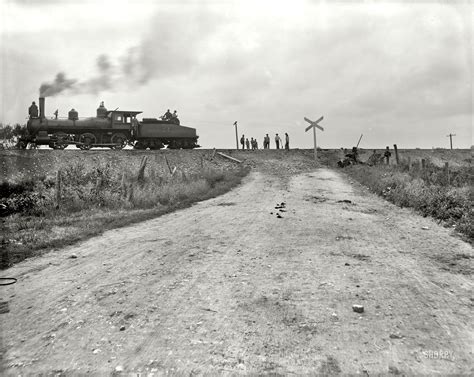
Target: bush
{"x": 427, "y": 191}
{"x": 8, "y": 189}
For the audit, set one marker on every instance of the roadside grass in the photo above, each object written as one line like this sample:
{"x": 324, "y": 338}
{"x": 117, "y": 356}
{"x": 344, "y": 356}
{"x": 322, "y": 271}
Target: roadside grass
{"x": 36, "y": 216}
{"x": 429, "y": 191}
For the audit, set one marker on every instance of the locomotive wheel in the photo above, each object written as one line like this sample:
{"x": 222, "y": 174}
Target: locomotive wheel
{"x": 173, "y": 145}
{"x": 88, "y": 139}
{"x": 59, "y": 137}
{"x": 120, "y": 140}
{"x": 155, "y": 145}
{"x": 139, "y": 145}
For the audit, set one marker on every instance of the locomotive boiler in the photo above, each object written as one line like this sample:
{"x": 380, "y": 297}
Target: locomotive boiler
{"x": 109, "y": 128}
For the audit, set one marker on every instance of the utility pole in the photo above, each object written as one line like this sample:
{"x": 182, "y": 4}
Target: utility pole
{"x": 451, "y": 139}
{"x": 236, "y": 135}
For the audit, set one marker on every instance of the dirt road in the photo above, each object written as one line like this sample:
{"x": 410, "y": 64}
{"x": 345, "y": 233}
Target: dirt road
{"x": 228, "y": 286}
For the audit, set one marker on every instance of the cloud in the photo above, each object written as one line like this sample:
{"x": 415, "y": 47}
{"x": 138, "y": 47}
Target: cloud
{"x": 268, "y": 64}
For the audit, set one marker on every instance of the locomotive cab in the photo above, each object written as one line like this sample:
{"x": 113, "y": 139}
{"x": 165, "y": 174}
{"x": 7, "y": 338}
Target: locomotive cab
{"x": 123, "y": 119}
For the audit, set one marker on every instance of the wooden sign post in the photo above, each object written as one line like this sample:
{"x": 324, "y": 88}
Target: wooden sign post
{"x": 313, "y": 125}
{"x": 451, "y": 139}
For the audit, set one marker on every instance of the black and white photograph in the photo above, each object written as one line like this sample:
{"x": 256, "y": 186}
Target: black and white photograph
{"x": 236, "y": 187}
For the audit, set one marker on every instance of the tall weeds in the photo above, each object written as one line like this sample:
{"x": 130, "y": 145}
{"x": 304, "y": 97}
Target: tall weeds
{"x": 91, "y": 200}
{"x": 429, "y": 191}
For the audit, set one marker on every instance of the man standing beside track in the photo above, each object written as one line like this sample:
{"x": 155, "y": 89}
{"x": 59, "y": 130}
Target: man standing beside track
{"x": 266, "y": 142}
{"x": 277, "y": 141}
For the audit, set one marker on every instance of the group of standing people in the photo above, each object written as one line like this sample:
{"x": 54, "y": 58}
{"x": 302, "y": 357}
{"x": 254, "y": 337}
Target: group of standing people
{"x": 253, "y": 144}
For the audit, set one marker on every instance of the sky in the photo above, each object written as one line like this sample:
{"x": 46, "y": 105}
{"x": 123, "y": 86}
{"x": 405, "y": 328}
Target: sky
{"x": 396, "y": 72}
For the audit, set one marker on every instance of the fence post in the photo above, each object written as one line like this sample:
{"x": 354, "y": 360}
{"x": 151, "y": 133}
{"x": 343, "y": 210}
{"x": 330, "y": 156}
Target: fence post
{"x": 168, "y": 164}
{"x": 98, "y": 184}
{"x": 446, "y": 166}
{"x": 396, "y": 153}
{"x": 123, "y": 186}
{"x": 58, "y": 188}
{"x": 141, "y": 170}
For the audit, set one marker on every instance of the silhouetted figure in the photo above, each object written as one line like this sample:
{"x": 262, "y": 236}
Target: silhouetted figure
{"x": 287, "y": 142}
{"x": 56, "y": 114}
{"x": 247, "y": 143}
{"x": 277, "y": 141}
{"x": 174, "y": 117}
{"x": 33, "y": 110}
{"x": 242, "y": 141}
{"x": 266, "y": 142}
{"x": 167, "y": 115}
{"x": 387, "y": 155}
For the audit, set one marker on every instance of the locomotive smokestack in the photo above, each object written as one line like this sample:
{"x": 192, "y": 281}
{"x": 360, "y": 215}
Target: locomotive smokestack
{"x": 41, "y": 108}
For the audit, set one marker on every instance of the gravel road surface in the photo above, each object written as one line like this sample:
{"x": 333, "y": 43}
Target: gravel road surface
{"x": 245, "y": 284}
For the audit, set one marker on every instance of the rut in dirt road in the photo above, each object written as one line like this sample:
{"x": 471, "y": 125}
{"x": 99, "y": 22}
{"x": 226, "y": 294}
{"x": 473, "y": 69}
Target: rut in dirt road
{"x": 244, "y": 283}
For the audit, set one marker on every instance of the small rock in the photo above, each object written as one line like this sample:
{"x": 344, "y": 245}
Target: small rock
{"x": 73, "y": 256}
{"x": 358, "y": 308}
{"x": 425, "y": 228}
{"x": 346, "y": 264}
{"x": 122, "y": 328}
{"x": 119, "y": 368}
{"x": 393, "y": 370}
{"x": 96, "y": 351}
{"x": 396, "y": 336}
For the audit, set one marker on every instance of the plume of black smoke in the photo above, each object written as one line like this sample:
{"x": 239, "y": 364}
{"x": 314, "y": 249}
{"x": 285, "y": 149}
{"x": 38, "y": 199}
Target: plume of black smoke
{"x": 137, "y": 66}
{"x": 169, "y": 49}
{"x": 59, "y": 84}
{"x": 102, "y": 81}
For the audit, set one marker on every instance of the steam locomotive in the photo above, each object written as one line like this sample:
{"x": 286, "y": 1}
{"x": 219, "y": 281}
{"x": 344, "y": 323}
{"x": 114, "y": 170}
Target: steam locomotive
{"x": 114, "y": 129}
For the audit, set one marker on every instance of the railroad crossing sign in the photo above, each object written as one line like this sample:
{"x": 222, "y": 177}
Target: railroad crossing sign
{"x": 314, "y": 125}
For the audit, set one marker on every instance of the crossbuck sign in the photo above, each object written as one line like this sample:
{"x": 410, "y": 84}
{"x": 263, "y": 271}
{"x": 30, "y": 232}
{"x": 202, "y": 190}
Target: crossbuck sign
{"x": 314, "y": 125}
